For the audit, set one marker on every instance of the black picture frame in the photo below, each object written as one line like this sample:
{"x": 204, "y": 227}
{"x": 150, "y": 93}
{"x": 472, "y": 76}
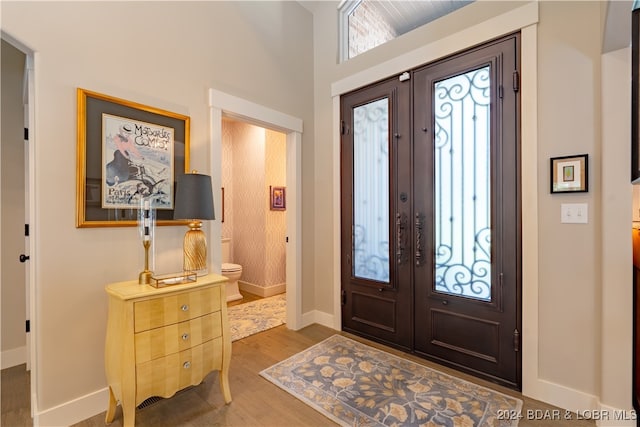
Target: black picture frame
{"x": 569, "y": 174}
{"x": 93, "y": 107}
{"x": 635, "y": 96}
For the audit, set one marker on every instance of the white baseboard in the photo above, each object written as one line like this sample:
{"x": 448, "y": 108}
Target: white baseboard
{"x": 262, "y": 291}
{"x": 608, "y": 416}
{"x": 14, "y": 357}
{"x": 582, "y": 405}
{"x": 73, "y": 411}
{"x": 562, "y": 396}
{"x": 319, "y": 317}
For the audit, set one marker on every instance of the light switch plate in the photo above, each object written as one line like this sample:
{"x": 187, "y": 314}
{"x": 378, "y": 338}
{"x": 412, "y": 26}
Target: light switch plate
{"x": 574, "y": 213}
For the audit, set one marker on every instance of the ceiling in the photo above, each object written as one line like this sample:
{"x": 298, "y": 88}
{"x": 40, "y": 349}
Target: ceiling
{"x": 407, "y": 15}
{"x": 403, "y": 15}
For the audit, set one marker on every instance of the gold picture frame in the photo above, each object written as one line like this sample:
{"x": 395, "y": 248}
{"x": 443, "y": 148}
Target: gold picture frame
{"x": 126, "y": 151}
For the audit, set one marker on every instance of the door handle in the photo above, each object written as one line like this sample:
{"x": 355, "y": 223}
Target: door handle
{"x": 23, "y": 257}
{"x": 400, "y": 227}
{"x": 419, "y": 255}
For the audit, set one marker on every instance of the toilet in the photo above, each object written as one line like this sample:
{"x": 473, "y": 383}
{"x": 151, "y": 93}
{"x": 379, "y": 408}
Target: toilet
{"x": 230, "y": 271}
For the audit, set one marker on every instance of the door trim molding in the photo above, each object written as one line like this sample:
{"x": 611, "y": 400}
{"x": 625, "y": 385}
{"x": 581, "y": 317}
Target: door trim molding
{"x": 523, "y": 19}
{"x": 223, "y": 104}
{"x": 501, "y": 25}
{"x": 31, "y": 282}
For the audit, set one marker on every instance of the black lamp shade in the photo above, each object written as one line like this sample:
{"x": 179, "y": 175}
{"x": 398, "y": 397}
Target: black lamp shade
{"x": 194, "y": 197}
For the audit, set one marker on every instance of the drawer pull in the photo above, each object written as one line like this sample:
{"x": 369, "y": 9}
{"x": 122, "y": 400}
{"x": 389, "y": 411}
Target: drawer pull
{"x": 185, "y": 307}
{"x": 186, "y": 365}
{"x": 185, "y": 336}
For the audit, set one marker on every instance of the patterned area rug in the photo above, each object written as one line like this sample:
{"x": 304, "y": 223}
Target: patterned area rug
{"x": 257, "y": 316}
{"x": 357, "y": 385}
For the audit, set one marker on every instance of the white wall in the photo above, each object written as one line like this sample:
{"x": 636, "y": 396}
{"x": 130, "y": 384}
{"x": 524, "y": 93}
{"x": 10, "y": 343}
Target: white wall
{"x": 163, "y": 54}
{"x": 569, "y": 123}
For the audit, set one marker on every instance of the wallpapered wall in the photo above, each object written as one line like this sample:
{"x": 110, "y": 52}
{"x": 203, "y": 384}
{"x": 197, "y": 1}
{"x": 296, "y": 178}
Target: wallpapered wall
{"x": 253, "y": 159}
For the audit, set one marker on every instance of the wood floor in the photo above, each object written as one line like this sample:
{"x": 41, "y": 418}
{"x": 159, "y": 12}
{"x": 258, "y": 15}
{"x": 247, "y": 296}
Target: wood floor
{"x": 246, "y": 297}
{"x": 256, "y": 402}
{"x": 14, "y": 397}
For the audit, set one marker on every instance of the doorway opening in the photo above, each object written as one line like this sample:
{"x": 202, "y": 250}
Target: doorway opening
{"x": 18, "y": 159}
{"x": 223, "y": 105}
{"x": 254, "y": 220}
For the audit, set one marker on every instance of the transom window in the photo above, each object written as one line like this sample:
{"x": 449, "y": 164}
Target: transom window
{"x": 365, "y": 24}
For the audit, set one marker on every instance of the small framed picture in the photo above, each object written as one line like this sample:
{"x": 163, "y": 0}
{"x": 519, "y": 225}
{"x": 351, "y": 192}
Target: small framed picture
{"x": 278, "y": 198}
{"x": 570, "y": 174}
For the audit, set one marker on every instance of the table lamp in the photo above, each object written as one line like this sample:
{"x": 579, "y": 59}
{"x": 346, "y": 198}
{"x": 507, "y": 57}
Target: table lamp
{"x": 194, "y": 202}
{"x": 146, "y": 227}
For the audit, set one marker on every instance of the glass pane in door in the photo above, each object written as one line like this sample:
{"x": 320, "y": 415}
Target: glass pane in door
{"x": 371, "y": 191}
{"x": 462, "y": 185}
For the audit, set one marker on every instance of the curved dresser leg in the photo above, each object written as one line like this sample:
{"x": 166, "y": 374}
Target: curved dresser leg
{"x": 226, "y": 350}
{"x": 224, "y": 384}
{"x": 111, "y": 410}
{"x": 128, "y": 414}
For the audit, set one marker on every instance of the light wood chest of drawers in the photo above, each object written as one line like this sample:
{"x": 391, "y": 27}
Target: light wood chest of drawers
{"x": 161, "y": 340}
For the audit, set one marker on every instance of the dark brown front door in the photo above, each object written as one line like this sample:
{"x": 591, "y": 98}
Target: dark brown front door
{"x": 376, "y": 183}
{"x": 467, "y": 196}
{"x": 431, "y": 212}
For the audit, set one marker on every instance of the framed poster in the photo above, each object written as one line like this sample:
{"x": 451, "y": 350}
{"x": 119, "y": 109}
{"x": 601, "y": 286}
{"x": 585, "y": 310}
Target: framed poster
{"x": 127, "y": 151}
{"x": 137, "y": 162}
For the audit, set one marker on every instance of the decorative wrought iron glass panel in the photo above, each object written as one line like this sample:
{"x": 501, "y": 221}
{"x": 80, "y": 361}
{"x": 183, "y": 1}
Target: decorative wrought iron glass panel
{"x": 371, "y": 191}
{"x": 462, "y": 185}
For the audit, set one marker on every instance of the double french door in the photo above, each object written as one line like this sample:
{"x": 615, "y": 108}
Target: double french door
{"x": 431, "y": 212}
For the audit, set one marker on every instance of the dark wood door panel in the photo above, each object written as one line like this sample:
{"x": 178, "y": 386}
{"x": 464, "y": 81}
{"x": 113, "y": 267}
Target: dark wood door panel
{"x": 374, "y": 311}
{"x": 457, "y": 332}
{"x": 378, "y": 317}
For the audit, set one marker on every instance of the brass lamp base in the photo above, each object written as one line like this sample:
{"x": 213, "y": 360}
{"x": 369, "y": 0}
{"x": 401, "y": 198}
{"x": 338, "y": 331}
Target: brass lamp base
{"x": 195, "y": 249}
{"x": 144, "y": 278}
